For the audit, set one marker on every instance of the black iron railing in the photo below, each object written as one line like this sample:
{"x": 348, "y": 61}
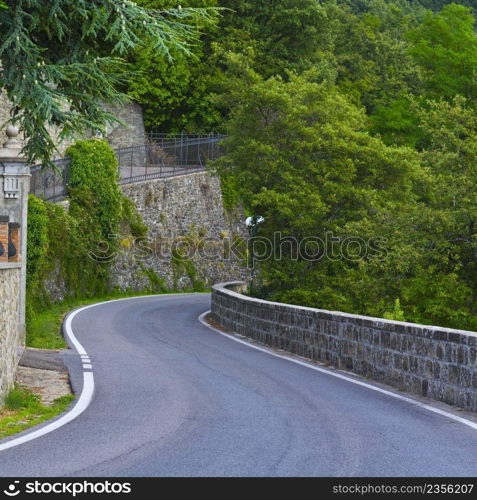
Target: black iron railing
{"x": 164, "y": 156}
{"x": 49, "y": 183}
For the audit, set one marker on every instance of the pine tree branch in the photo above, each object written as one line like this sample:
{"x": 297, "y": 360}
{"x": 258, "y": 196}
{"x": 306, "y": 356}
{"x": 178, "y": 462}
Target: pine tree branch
{"x": 62, "y": 60}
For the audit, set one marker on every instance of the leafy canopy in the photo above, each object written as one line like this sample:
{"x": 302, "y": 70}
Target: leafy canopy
{"x": 62, "y": 59}
{"x": 445, "y": 46}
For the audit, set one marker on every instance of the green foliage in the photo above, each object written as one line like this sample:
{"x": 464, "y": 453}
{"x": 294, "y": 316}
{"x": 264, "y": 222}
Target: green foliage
{"x": 63, "y": 59}
{"x": 25, "y": 410}
{"x": 287, "y": 33}
{"x": 131, "y": 221}
{"x": 173, "y": 93}
{"x": 95, "y": 197}
{"x": 350, "y": 117}
{"x": 437, "y": 5}
{"x": 66, "y": 261}
{"x": 445, "y": 46}
{"x": 396, "y": 314}
{"x": 44, "y": 328}
{"x": 396, "y": 123}
{"x": 300, "y": 154}
{"x": 37, "y": 243}
{"x": 92, "y": 183}
{"x": 18, "y": 398}
{"x": 373, "y": 63}
{"x": 258, "y": 37}
{"x": 72, "y": 249}
{"x": 229, "y": 189}
{"x": 317, "y": 161}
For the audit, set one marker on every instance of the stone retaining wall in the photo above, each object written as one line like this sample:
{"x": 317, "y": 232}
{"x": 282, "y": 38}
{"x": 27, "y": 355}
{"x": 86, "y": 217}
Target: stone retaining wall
{"x": 9, "y": 324}
{"x": 430, "y": 361}
{"x": 188, "y": 207}
{"x": 185, "y": 209}
{"x": 128, "y": 132}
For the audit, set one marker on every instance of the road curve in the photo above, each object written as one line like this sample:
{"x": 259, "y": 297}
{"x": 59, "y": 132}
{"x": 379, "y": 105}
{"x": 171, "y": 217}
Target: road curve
{"x": 174, "y": 398}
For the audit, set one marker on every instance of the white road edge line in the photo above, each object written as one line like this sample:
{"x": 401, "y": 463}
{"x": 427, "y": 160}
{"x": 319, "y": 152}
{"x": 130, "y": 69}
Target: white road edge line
{"x": 331, "y": 373}
{"x": 82, "y": 403}
{"x": 88, "y": 379}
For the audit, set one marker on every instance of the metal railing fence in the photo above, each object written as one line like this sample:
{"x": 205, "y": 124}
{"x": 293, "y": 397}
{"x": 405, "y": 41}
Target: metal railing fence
{"x": 164, "y": 156}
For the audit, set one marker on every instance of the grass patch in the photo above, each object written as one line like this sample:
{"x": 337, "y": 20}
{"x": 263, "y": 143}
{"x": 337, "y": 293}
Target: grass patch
{"x": 23, "y": 409}
{"x": 44, "y": 328}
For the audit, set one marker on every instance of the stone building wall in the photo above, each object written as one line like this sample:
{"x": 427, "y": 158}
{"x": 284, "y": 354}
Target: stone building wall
{"x": 9, "y": 313}
{"x": 14, "y": 188}
{"x": 438, "y": 363}
{"x": 130, "y": 132}
{"x": 4, "y": 110}
{"x": 184, "y": 212}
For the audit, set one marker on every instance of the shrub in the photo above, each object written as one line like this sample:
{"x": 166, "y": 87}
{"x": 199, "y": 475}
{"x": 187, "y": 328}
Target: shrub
{"x": 37, "y": 238}
{"x": 63, "y": 245}
{"x": 95, "y": 197}
{"x": 18, "y": 399}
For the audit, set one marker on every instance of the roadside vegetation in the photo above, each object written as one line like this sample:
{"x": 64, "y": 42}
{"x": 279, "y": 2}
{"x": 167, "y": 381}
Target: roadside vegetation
{"x": 68, "y": 265}
{"x": 66, "y": 251}
{"x": 352, "y": 118}
{"x": 23, "y": 409}
{"x": 349, "y": 118}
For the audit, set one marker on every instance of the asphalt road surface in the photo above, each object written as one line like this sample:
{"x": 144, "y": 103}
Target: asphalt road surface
{"x": 174, "y": 398}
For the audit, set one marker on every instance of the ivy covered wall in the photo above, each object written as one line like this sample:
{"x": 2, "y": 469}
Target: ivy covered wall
{"x": 68, "y": 249}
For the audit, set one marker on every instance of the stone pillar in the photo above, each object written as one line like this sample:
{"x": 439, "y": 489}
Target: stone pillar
{"x": 14, "y": 189}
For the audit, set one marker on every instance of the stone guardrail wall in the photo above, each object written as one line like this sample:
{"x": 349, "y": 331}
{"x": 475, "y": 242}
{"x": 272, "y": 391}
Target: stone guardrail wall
{"x": 438, "y": 363}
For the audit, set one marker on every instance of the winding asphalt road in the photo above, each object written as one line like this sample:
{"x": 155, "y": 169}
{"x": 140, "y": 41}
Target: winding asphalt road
{"x": 175, "y": 398}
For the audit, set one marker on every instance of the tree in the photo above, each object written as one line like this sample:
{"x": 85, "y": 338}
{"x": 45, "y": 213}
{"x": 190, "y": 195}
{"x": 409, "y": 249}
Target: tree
{"x": 290, "y": 33}
{"x": 301, "y": 156}
{"x": 62, "y": 59}
{"x": 374, "y": 66}
{"x": 270, "y": 38}
{"x": 173, "y": 94}
{"x": 450, "y": 153}
{"x": 438, "y": 5}
{"x": 445, "y": 46}
{"x": 401, "y": 225}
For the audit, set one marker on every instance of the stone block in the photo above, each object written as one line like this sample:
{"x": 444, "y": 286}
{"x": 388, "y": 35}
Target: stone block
{"x": 436, "y": 363}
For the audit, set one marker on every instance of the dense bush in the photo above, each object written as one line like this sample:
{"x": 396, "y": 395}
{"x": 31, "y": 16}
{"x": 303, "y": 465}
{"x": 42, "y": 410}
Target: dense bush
{"x": 72, "y": 249}
{"x": 301, "y": 155}
{"x": 37, "y": 243}
{"x": 93, "y": 191}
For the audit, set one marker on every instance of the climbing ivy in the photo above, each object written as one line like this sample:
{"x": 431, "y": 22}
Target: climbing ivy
{"x": 73, "y": 249}
{"x": 37, "y": 239}
{"x": 37, "y": 243}
{"x": 95, "y": 197}
{"x": 156, "y": 283}
{"x": 183, "y": 265}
